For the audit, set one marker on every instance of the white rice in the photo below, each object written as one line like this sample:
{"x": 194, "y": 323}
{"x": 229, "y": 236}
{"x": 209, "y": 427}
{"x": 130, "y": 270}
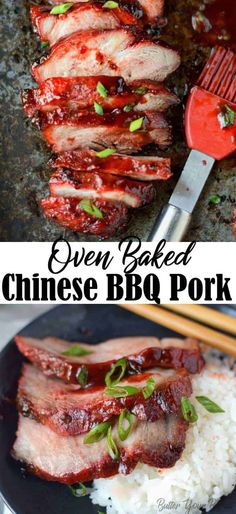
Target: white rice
{"x": 206, "y": 471}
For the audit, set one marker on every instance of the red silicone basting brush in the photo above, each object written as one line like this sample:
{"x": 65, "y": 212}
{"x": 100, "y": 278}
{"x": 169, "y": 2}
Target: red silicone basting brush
{"x": 210, "y": 125}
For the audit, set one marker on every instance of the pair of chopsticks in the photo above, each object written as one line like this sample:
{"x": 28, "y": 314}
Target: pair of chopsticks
{"x": 181, "y": 323}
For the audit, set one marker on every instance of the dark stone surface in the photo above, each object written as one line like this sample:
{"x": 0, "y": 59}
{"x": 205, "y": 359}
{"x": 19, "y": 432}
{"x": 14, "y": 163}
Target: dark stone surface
{"x": 24, "y": 173}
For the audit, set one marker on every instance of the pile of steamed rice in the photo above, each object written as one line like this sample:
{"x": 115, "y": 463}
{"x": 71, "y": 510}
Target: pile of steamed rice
{"x": 206, "y": 471}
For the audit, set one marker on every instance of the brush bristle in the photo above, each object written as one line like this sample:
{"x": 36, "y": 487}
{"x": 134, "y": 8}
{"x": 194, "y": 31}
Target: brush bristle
{"x": 219, "y": 74}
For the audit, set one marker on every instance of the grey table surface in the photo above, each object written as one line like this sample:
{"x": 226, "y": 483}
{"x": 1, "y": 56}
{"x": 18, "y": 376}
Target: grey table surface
{"x": 12, "y": 319}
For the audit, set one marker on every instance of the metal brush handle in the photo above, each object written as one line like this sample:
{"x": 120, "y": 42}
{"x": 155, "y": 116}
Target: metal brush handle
{"x": 171, "y": 224}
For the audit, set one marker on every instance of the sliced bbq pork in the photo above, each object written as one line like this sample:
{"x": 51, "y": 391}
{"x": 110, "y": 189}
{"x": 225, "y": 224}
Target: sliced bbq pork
{"x": 140, "y": 353}
{"x": 101, "y": 218}
{"x": 66, "y": 130}
{"x": 70, "y": 460}
{"x": 110, "y": 52}
{"x": 68, "y": 410}
{"x": 71, "y": 184}
{"x": 152, "y": 9}
{"x": 143, "y": 168}
{"x": 79, "y": 17}
{"x": 111, "y": 93}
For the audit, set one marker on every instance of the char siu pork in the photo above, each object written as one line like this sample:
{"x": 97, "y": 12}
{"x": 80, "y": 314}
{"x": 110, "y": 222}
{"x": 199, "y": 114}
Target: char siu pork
{"x": 70, "y": 460}
{"x": 143, "y": 168}
{"x": 79, "y": 17}
{"x": 151, "y": 9}
{"x": 77, "y": 93}
{"x": 110, "y": 52}
{"x": 140, "y": 353}
{"x": 66, "y": 130}
{"x": 99, "y": 186}
{"x": 69, "y": 213}
{"x": 68, "y": 410}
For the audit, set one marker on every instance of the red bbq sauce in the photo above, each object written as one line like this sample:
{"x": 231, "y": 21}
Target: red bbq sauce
{"x": 221, "y": 15}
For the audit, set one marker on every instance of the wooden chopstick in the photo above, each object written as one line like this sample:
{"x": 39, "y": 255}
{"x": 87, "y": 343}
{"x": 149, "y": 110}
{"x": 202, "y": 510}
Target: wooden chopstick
{"x": 205, "y": 315}
{"x": 185, "y": 327}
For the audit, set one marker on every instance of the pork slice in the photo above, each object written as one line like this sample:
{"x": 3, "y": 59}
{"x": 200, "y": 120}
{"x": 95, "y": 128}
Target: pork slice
{"x": 141, "y": 167}
{"x": 140, "y": 353}
{"x": 70, "y": 184}
{"x": 110, "y": 52}
{"x": 77, "y": 93}
{"x": 69, "y": 460}
{"x": 69, "y": 410}
{"x": 68, "y": 213}
{"x": 79, "y": 17}
{"x": 64, "y": 130}
{"x": 152, "y": 9}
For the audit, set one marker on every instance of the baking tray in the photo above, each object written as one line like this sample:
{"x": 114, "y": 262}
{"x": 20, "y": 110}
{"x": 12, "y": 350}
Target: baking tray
{"x": 24, "y": 173}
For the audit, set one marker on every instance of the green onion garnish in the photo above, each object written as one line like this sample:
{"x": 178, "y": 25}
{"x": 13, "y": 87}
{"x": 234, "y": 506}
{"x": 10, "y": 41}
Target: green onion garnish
{"x": 61, "y": 8}
{"x": 97, "y": 433}
{"x": 116, "y": 373}
{"x": 77, "y": 350}
{"x": 188, "y": 410}
{"x": 215, "y": 199}
{"x": 140, "y": 90}
{"x": 102, "y": 90}
{"x": 110, "y": 5}
{"x": 98, "y": 108}
{"x": 78, "y": 490}
{"x": 136, "y": 124}
{"x": 226, "y": 117}
{"x": 82, "y": 376}
{"x": 128, "y": 108}
{"x": 90, "y": 208}
{"x": 44, "y": 43}
{"x": 121, "y": 392}
{"x": 105, "y": 153}
{"x": 209, "y": 405}
{"x": 149, "y": 388}
{"x": 124, "y": 417}
{"x": 112, "y": 447}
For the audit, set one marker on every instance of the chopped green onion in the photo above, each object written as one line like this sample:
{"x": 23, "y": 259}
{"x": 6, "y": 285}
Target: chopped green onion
{"x": 149, "y": 388}
{"x": 111, "y": 444}
{"x": 226, "y": 117}
{"x": 209, "y": 405}
{"x": 105, "y": 153}
{"x": 188, "y": 410}
{"x": 140, "y": 90}
{"x": 110, "y": 5}
{"x": 44, "y": 43}
{"x": 78, "y": 490}
{"x": 77, "y": 350}
{"x": 97, "y": 433}
{"x": 121, "y": 392}
{"x": 215, "y": 199}
{"x": 128, "y": 108}
{"x": 116, "y": 373}
{"x": 98, "y": 108}
{"x": 90, "y": 208}
{"x": 125, "y": 416}
{"x": 102, "y": 90}
{"x": 136, "y": 124}
{"x": 61, "y": 8}
{"x": 82, "y": 376}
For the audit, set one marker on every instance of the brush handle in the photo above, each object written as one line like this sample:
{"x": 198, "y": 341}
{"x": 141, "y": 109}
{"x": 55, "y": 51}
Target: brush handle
{"x": 171, "y": 224}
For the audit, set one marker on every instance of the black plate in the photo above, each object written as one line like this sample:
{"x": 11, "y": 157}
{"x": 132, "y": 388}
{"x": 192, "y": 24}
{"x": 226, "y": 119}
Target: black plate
{"x": 28, "y": 494}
